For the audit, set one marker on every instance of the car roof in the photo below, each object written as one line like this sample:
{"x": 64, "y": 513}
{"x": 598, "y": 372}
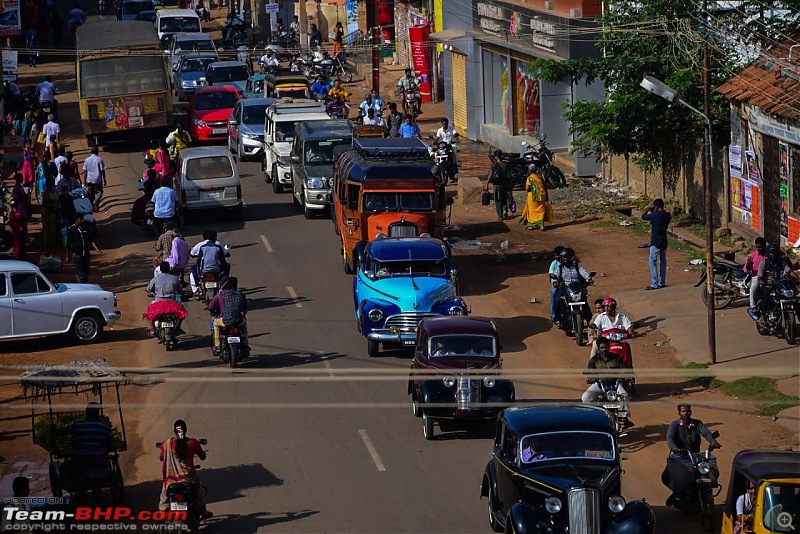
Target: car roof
{"x": 286, "y": 80}
{"x": 458, "y": 324}
{"x": 222, "y": 64}
{"x": 759, "y": 465}
{"x": 247, "y": 102}
{"x": 16, "y": 265}
{"x": 325, "y": 128}
{"x": 137, "y": 2}
{"x": 286, "y": 106}
{"x": 192, "y": 36}
{"x": 177, "y": 13}
{"x": 204, "y": 151}
{"x": 554, "y": 418}
{"x": 216, "y": 89}
{"x": 404, "y": 248}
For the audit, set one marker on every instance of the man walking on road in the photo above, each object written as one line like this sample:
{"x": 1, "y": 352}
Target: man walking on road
{"x": 94, "y": 175}
{"x": 659, "y": 221}
{"x": 51, "y": 128}
{"x": 78, "y": 243}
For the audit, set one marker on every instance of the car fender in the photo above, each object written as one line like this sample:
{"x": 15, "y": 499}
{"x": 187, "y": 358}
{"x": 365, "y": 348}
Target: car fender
{"x": 489, "y": 482}
{"x": 637, "y": 518}
{"x": 502, "y": 392}
{"x": 93, "y": 309}
{"x": 367, "y": 325}
{"x": 435, "y": 392}
{"x": 523, "y": 519}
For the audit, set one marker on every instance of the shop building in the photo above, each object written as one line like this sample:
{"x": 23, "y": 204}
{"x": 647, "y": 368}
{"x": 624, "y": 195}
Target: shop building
{"x": 488, "y": 47}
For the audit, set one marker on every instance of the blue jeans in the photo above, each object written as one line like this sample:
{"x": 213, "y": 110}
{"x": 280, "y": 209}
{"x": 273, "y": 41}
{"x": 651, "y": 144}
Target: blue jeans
{"x": 658, "y": 279}
{"x": 555, "y": 296}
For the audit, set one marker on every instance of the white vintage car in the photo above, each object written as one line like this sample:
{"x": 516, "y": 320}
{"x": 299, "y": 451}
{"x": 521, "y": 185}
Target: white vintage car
{"x": 31, "y": 305}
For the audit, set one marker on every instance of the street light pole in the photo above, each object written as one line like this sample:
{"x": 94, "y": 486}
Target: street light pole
{"x": 659, "y": 88}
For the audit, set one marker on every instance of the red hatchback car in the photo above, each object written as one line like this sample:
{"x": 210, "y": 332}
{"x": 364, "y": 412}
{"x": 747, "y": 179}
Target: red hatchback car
{"x": 209, "y": 111}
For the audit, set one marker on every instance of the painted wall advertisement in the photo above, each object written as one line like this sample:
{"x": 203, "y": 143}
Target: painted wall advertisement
{"x": 122, "y": 113}
{"x": 745, "y": 192}
{"x": 420, "y": 57}
{"x": 784, "y": 171}
{"x": 10, "y": 20}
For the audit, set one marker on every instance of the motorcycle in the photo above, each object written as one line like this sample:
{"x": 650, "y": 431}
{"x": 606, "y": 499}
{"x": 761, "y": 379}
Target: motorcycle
{"x": 445, "y": 159}
{"x": 209, "y": 286}
{"x": 167, "y": 331}
{"x": 731, "y": 283}
{"x": 148, "y": 222}
{"x": 230, "y": 342}
{"x": 572, "y": 312}
{"x": 411, "y": 101}
{"x": 782, "y": 309}
{"x": 181, "y": 498}
{"x": 340, "y": 69}
{"x": 610, "y": 400}
{"x": 543, "y": 160}
{"x": 620, "y": 347}
{"x": 694, "y": 477}
{"x": 83, "y": 206}
{"x": 336, "y": 108}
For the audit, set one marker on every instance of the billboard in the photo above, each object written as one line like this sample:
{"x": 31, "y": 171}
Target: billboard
{"x": 10, "y": 20}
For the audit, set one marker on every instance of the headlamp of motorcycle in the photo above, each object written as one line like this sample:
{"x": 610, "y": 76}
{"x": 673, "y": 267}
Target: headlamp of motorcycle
{"x": 552, "y": 505}
{"x": 616, "y": 504}
{"x": 612, "y": 396}
{"x": 787, "y": 292}
{"x": 704, "y": 468}
{"x": 616, "y": 336}
{"x": 449, "y": 381}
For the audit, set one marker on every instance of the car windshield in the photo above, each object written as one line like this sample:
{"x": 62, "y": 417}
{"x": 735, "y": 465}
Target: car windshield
{"x": 321, "y": 152}
{"x": 196, "y": 64}
{"x": 208, "y": 168}
{"x": 194, "y": 46}
{"x": 781, "y": 507}
{"x": 215, "y": 100}
{"x": 567, "y": 446}
{"x": 179, "y": 24}
{"x": 134, "y": 8}
{"x": 284, "y": 131}
{"x": 292, "y": 92}
{"x": 237, "y": 73}
{"x": 462, "y": 345}
{"x": 390, "y": 201}
{"x": 254, "y": 114}
{"x": 407, "y": 267}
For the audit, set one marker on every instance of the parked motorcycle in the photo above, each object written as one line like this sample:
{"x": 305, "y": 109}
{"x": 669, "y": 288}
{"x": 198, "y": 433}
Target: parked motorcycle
{"x": 731, "y": 283}
{"x": 572, "y": 312}
{"x": 445, "y": 158}
{"x": 340, "y": 69}
{"x": 694, "y": 478}
{"x": 613, "y": 404}
{"x": 544, "y": 161}
{"x": 782, "y": 309}
{"x": 181, "y": 498}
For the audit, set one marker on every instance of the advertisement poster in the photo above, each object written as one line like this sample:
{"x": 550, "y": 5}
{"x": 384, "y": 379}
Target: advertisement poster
{"x": 735, "y": 160}
{"x": 420, "y": 57}
{"x": 352, "y": 17}
{"x": 784, "y": 170}
{"x": 122, "y": 113}
{"x": 10, "y": 20}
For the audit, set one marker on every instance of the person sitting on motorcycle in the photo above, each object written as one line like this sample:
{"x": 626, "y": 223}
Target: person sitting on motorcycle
{"x": 232, "y": 24}
{"x": 230, "y": 307}
{"x": 210, "y": 256}
{"x": 772, "y": 269}
{"x": 751, "y": 267}
{"x": 269, "y": 61}
{"x": 409, "y": 84}
{"x": 605, "y": 360}
{"x": 202, "y": 12}
{"x": 371, "y": 119}
{"x": 446, "y": 134}
{"x": 177, "y": 465}
{"x": 46, "y": 91}
{"x": 165, "y": 287}
{"x": 568, "y": 271}
{"x": 337, "y": 92}
{"x": 610, "y": 318}
{"x": 320, "y": 87}
{"x": 178, "y": 140}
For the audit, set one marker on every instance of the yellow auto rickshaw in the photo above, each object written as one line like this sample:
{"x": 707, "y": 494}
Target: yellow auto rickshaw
{"x": 775, "y": 475}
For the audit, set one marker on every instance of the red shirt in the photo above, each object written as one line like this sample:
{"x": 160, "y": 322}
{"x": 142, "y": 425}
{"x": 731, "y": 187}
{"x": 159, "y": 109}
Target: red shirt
{"x": 193, "y": 448}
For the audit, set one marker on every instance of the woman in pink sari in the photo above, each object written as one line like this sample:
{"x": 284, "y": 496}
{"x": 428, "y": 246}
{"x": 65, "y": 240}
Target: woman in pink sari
{"x": 177, "y": 457}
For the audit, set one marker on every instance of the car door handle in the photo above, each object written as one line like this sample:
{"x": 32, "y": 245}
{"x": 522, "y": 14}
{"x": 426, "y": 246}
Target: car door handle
{"x": 19, "y": 300}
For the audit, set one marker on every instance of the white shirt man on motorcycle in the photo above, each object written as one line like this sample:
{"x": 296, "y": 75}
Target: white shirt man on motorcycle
{"x": 447, "y": 134}
{"x": 410, "y": 84}
{"x": 609, "y": 319}
{"x": 269, "y": 60}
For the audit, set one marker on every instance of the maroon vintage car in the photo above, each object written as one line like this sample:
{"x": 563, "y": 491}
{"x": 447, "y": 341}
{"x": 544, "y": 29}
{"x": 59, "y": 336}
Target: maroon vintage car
{"x": 454, "y": 373}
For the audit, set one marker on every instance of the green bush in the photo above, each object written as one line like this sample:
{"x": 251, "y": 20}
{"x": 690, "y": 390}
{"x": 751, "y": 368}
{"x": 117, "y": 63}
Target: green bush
{"x": 46, "y": 431}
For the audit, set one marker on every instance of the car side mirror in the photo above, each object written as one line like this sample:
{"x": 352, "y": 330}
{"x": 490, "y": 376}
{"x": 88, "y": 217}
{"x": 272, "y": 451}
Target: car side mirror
{"x": 295, "y": 159}
{"x": 175, "y": 68}
{"x": 453, "y": 273}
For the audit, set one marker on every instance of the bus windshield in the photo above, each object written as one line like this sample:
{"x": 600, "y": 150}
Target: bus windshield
{"x": 179, "y": 24}
{"x": 122, "y": 76}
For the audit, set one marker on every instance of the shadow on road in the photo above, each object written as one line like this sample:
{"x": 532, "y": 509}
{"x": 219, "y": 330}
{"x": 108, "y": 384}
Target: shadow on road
{"x": 287, "y": 359}
{"x": 515, "y": 330}
{"x": 253, "y": 522}
{"x": 639, "y": 438}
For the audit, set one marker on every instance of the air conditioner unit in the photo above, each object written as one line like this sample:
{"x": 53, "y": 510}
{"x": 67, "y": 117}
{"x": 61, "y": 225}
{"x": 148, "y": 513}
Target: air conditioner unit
{"x": 575, "y": 12}
{"x": 549, "y": 5}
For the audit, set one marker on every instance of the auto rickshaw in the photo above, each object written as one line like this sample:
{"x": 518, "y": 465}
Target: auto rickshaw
{"x": 776, "y": 478}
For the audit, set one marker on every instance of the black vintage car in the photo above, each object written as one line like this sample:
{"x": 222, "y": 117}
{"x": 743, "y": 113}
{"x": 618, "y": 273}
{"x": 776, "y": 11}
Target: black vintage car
{"x": 556, "y": 469}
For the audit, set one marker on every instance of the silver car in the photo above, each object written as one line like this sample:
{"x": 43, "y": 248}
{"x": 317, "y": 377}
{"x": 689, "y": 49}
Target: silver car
{"x": 246, "y": 128}
{"x": 31, "y": 305}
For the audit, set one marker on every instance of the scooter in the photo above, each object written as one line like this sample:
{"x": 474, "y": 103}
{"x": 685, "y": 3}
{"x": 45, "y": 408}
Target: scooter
{"x": 613, "y": 404}
{"x": 572, "y": 312}
{"x": 181, "y": 498}
{"x": 694, "y": 477}
{"x": 148, "y": 222}
{"x": 782, "y": 309}
{"x": 731, "y": 283}
{"x": 83, "y": 206}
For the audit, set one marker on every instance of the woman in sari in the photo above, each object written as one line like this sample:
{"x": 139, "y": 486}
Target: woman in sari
{"x": 177, "y": 457}
{"x": 535, "y": 202}
{"x": 49, "y": 214}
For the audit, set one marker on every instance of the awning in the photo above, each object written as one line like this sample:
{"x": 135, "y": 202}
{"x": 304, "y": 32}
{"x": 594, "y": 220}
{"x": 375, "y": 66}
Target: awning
{"x": 514, "y": 46}
{"x": 448, "y": 37}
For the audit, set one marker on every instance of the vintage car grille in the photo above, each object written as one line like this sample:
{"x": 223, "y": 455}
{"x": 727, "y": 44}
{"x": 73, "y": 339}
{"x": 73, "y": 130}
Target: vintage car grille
{"x": 406, "y": 322}
{"x": 468, "y": 393}
{"x": 584, "y": 511}
{"x": 402, "y": 229}
{"x": 217, "y": 124}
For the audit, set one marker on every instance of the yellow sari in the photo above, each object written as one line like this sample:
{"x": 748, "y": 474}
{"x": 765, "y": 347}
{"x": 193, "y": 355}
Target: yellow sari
{"x": 535, "y": 202}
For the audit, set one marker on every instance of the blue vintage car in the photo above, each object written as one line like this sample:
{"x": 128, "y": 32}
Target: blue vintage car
{"x": 400, "y": 281}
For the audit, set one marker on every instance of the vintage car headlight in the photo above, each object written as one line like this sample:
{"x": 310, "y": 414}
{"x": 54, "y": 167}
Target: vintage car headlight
{"x": 449, "y": 381}
{"x": 315, "y": 183}
{"x": 552, "y": 505}
{"x": 375, "y": 315}
{"x": 704, "y": 468}
{"x": 611, "y": 396}
{"x": 787, "y": 292}
{"x": 199, "y": 122}
{"x": 616, "y": 504}
{"x": 456, "y": 310}
{"x": 489, "y": 381}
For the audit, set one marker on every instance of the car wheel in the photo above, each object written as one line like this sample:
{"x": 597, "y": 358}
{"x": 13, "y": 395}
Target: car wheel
{"x": 86, "y": 327}
{"x": 427, "y": 426}
{"x": 240, "y": 151}
{"x": 494, "y": 524}
{"x": 373, "y": 348}
{"x": 276, "y": 185}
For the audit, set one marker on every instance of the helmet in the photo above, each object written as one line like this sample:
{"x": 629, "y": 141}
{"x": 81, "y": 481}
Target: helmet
{"x": 773, "y": 249}
{"x": 609, "y": 302}
{"x": 566, "y": 254}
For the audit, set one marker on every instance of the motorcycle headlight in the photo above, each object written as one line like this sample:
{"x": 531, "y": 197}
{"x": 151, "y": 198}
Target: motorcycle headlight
{"x": 449, "y": 381}
{"x": 611, "y": 396}
{"x": 704, "y": 468}
{"x": 616, "y": 503}
{"x": 375, "y": 315}
{"x": 615, "y": 336}
{"x": 787, "y": 292}
{"x": 489, "y": 381}
{"x": 456, "y": 310}
{"x": 315, "y": 183}
{"x": 552, "y": 505}
{"x": 199, "y": 122}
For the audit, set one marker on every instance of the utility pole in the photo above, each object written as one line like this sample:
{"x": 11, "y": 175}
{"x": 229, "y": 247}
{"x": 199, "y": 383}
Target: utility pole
{"x": 372, "y": 23}
{"x": 709, "y": 198}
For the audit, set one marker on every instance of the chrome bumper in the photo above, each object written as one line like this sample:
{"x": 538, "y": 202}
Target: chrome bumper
{"x": 316, "y": 199}
{"x": 113, "y": 317}
{"x": 284, "y": 175}
{"x": 399, "y": 337}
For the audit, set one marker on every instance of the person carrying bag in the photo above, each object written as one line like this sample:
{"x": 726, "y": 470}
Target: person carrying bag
{"x": 501, "y": 179}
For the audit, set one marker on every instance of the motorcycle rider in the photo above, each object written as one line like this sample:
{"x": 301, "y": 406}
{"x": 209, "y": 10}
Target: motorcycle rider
{"x": 410, "y": 84}
{"x": 320, "y": 87}
{"x": 166, "y": 286}
{"x": 606, "y": 360}
{"x": 77, "y": 17}
{"x": 568, "y": 271}
{"x": 210, "y": 256}
{"x": 269, "y": 61}
{"x": 178, "y": 140}
{"x": 751, "y": 267}
{"x": 773, "y": 268}
{"x": 337, "y": 92}
{"x": 230, "y": 307}
{"x": 446, "y": 134}
{"x": 610, "y": 318}
{"x": 177, "y": 465}
{"x": 233, "y": 24}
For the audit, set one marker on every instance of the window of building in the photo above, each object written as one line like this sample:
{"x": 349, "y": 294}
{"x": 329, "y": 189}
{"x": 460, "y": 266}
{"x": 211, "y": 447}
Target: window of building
{"x": 525, "y": 105}
{"x": 496, "y": 89}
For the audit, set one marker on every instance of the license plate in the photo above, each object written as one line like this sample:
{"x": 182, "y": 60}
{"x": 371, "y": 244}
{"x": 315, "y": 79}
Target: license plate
{"x": 708, "y": 480}
{"x": 577, "y": 303}
{"x": 150, "y": 222}
{"x": 612, "y": 406}
{"x": 211, "y": 284}
{"x": 178, "y": 506}
{"x": 409, "y": 342}
{"x": 168, "y": 325}
{"x": 233, "y": 340}
{"x": 211, "y": 194}
{"x": 218, "y": 131}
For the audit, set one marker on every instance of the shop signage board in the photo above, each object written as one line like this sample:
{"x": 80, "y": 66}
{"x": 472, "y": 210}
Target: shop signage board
{"x": 10, "y": 20}
{"x": 420, "y": 56}
{"x": 10, "y": 60}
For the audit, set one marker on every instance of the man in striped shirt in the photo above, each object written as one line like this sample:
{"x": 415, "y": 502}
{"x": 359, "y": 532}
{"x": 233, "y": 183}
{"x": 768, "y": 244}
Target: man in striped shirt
{"x": 92, "y": 443}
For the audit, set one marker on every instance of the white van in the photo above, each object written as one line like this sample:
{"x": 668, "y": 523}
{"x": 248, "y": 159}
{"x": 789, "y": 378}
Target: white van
{"x": 207, "y": 178}
{"x": 177, "y": 21}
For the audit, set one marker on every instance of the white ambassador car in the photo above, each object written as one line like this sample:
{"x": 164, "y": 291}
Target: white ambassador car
{"x": 31, "y": 305}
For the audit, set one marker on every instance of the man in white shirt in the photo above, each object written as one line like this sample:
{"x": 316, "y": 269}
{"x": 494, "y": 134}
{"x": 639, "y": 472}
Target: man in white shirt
{"x": 269, "y": 60}
{"x": 609, "y": 319}
{"x": 94, "y": 174}
{"x": 62, "y": 158}
{"x": 371, "y": 119}
{"x": 164, "y": 198}
{"x": 446, "y": 134}
{"x": 51, "y": 127}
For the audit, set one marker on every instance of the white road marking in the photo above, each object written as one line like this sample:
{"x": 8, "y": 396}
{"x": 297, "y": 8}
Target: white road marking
{"x": 326, "y": 364}
{"x": 294, "y": 296}
{"x": 372, "y": 451}
{"x": 266, "y": 243}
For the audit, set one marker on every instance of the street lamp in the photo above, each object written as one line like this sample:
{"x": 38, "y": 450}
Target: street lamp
{"x": 659, "y": 88}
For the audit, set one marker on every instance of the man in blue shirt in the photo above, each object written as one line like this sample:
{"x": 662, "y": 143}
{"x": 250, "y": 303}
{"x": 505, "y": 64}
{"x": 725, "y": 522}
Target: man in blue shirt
{"x": 320, "y": 87}
{"x": 165, "y": 199}
{"x": 659, "y": 221}
{"x": 410, "y": 129}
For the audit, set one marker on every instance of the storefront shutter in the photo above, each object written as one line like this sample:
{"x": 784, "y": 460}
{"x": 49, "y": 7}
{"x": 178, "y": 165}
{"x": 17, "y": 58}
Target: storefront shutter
{"x": 458, "y": 94}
